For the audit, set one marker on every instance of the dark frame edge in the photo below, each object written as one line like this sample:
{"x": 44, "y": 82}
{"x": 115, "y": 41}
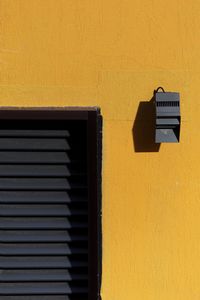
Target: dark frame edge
{"x": 99, "y": 200}
{"x": 95, "y": 123}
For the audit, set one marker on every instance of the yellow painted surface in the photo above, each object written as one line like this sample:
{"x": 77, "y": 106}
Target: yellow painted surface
{"x": 113, "y": 53}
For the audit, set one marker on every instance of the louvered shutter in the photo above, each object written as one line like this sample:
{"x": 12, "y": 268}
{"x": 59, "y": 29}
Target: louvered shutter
{"x": 44, "y": 210}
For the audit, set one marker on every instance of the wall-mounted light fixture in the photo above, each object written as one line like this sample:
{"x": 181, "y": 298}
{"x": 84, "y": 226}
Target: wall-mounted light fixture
{"x": 168, "y": 117}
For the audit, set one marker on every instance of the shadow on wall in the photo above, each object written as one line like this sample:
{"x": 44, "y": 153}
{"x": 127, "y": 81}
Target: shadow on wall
{"x": 143, "y": 130}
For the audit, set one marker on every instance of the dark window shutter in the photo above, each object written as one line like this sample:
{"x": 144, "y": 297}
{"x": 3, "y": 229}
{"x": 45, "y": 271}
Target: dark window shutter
{"x": 48, "y": 213}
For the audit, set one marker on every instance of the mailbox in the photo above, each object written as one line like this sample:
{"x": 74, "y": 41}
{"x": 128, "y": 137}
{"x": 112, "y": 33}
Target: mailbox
{"x": 168, "y": 117}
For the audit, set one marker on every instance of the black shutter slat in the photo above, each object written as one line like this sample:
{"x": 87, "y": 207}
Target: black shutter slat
{"x": 33, "y": 133}
{"x": 74, "y": 196}
{"x": 34, "y": 184}
{"x": 49, "y": 297}
{"x": 39, "y": 184}
{"x": 42, "y": 275}
{"x": 21, "y": 157}
{"x": 40, "y": 170}
{"x": 33, "y": 144}
{"x": 43, "y": 210}
{"x": 40, "y": 289}
{"x": 41, "y": 249}
{"x": 40, "y": 210}
{"x": 41, "y": 223}
{"x": 34, "y": 170}
{"x": 49, "y": 262}
{"x": 30, "y": 236}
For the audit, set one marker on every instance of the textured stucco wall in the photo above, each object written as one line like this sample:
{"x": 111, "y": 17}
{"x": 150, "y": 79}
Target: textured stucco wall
{"x": 113, "y": 53}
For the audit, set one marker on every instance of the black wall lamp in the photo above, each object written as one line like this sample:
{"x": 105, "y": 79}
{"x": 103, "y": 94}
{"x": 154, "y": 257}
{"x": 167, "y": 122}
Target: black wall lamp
{"x": 168, "y": 117}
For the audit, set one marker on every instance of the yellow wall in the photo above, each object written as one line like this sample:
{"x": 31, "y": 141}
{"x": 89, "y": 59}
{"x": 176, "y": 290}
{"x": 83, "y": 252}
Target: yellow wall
{"x": 113, "y": 53}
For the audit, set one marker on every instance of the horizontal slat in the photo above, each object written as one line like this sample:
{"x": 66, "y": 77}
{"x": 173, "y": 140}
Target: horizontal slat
{"x": 34, "y": 170}
{"x": 49, "y": 297}
{"x": 21, "y": 157}
{"x": 40, "y": 170}
{"x": 40, "y": 210}
{"x": 40, "y": 289}
{"x": 34, "y": 184}
{"x": 60, "y": 262}
{"x": 41, "y": 183}
{"x": 33, "y": 144}
{"x": 41, "y": 223}
{"x": 30, "y": 236}
{"x": 167, "y": 121}
{"x": 42, "y": 275}
{"x": 33, "y": 133}
{"x": 41, "y": 249}
{"x": 69, "y": 196}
